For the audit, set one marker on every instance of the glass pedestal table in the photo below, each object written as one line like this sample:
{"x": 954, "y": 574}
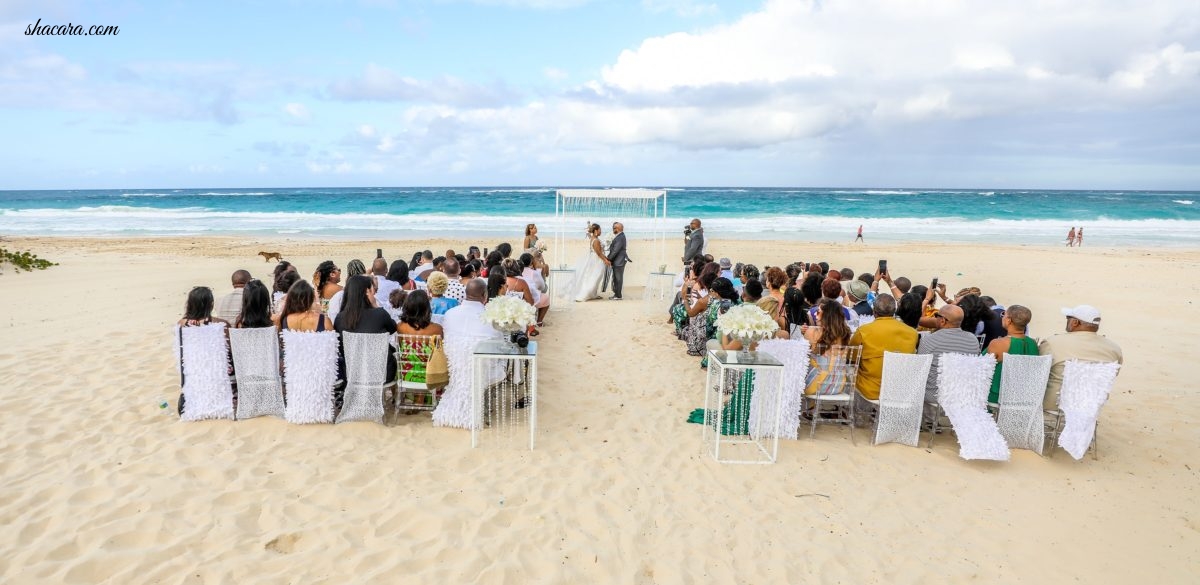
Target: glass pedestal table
{"x": 743, "y": 406}
{"x": 659, "y": 293}
{"x": 503, "y": 391}
{"x": 560, "y": 288}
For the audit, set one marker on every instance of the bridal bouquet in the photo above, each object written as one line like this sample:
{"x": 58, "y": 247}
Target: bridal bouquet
{"x": 509, "y": 314}
{"x": 747, "y": 323}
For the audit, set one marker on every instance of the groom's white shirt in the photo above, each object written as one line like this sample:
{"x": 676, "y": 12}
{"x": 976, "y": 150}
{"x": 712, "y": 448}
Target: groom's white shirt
{"x": 465, "y": 321}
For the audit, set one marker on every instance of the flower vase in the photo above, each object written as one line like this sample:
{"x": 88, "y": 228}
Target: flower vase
{"x": 507, "y": 331}
{"x": 747, "y": 339}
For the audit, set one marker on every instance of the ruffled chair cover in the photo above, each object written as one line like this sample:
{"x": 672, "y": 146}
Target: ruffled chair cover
{"x": 256, "y": 364}
{"x": 793, "y": 354}
{"x": 454, "y": 409}
{"x": 207, "y": 392}
{"x": 366, "y": 374}
{"x": 1022, "y": 388}
{"x": 1085, "y": 389}
{"x": 902, "y": 398}
{"x": 309, "y": 373}
{"x": 963, "y": 384}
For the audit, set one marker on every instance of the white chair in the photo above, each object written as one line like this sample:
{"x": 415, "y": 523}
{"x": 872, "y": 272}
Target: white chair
{"x": 843, "y": 365}
{"x": 256, "y": 365}
{"x": 1085, "y": 389}
{"x": 454, "y": 408}
{"x": 901, "y": 398}
{"x": 793, "y": 354}
{"x": 366, "y": 376}
{"x": 963, "y": 384}
{"x": 203, "y": 360}
{"x": 982, "y": 337}
{"x": 412, "y": 355}
{"x": 1022, "y": 388}
{"x": 309, "y": 374}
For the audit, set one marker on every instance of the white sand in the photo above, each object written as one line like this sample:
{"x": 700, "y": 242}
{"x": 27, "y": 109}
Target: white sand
{"x": 100, "y": 485}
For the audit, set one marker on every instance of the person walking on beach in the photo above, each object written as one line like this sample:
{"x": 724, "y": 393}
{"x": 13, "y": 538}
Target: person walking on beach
{"x": 859, "y": 237}
{"x": 1079, "y": 238}
{"x": 1071, "y": 238}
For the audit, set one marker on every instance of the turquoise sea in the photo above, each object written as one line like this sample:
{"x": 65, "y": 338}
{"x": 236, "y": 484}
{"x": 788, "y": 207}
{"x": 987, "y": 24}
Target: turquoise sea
{"x": 1110, "y": 218}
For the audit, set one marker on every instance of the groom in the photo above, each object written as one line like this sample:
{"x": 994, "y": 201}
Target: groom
{"x": 617, "y": 258}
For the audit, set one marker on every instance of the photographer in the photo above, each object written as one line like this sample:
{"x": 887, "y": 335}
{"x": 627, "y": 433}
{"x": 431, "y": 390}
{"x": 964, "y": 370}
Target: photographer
{"x": 693, "y": 238}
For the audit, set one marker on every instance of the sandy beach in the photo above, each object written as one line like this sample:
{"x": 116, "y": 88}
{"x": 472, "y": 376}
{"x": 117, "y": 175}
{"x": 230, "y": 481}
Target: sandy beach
{"x": 100, "y": 485}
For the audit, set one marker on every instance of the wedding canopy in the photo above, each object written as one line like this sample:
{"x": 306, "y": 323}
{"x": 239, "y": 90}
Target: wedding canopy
{"x": 574, "y": 207}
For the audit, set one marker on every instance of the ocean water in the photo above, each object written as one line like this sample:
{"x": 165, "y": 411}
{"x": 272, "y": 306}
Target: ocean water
{"x": 1110, "y": 218}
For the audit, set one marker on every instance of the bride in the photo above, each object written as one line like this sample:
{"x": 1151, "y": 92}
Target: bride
{"x": 591, "y": 268}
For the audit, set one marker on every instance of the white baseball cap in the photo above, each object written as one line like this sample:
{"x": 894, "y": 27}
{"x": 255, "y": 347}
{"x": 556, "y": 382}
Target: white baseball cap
{"x": 1085, "y": 313}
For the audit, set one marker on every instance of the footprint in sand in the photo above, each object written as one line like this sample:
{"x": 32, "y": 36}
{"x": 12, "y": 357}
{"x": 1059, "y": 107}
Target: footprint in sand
{"x": 283, "y": 544}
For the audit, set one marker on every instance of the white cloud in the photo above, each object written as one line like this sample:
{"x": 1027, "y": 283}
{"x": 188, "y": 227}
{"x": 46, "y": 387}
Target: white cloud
{"x": 298, "y": 112}
{"x": 381, "y": 84}
{"x": 686, "y": 8}
{"x": 554, "y": 73}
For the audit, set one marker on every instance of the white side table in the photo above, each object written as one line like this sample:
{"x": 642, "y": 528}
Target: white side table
{"x": 505, "y": 376}
{"x": 560, "y": 288}
{"x": 659, "y": 292}
{"x": 736, "y": 426}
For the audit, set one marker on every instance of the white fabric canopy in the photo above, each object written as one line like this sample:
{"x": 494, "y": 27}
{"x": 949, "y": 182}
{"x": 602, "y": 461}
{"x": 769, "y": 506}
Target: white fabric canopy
{"x": 574, "y": 207}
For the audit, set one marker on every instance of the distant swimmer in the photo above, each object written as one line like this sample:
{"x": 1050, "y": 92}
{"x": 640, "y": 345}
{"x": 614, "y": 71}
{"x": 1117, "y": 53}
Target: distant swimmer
{"x": 1071, "y": 238}
{"x": 859, "y": 238}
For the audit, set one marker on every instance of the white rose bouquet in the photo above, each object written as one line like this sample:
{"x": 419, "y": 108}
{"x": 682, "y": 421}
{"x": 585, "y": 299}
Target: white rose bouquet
{"x": 509, "y": 314}
{"x": 747, "y": 323}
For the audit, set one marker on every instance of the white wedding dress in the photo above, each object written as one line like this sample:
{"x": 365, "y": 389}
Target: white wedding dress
{"x": 589, "y": 274}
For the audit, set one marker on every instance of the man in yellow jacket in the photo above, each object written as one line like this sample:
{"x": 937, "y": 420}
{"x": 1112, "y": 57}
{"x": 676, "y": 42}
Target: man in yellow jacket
{"x": 885, "y": 333}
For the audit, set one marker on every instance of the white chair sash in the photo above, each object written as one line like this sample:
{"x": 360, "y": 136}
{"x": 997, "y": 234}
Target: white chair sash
{"x": 793, "y": 354}
{"x": 1085, "y": 389}
{"x": 963, "y": 384}
{"x": 309, "y": 373}
{"x": 366, "y": 374}
{"x": 256, "y": 364}
{"x": 207, "y": 392}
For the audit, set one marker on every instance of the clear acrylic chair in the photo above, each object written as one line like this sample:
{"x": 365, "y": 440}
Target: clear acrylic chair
{"x": 839, "y": 365}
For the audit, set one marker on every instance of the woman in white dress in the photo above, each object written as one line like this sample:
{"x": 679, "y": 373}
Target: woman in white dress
{"x": 591, "y": 267}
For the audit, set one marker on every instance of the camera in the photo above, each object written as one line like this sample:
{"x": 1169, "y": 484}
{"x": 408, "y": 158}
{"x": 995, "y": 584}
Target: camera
{"x": 521, "y": 339}
{"x": 687, "y": 230}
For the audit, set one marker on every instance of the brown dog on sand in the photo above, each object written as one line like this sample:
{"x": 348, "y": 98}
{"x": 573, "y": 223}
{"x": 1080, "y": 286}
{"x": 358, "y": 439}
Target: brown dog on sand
{"x": 268, "y": 255}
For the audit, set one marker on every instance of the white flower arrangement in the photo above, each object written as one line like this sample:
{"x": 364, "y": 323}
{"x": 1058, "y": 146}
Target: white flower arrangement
{"x": 747, "y": 321}
{"x": 509, "y": 314}
{"x": 540, "y": 247}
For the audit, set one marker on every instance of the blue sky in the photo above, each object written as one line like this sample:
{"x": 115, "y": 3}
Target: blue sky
{"x": 870, "y": 93}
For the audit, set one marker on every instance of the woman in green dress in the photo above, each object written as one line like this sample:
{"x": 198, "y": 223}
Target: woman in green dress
{"x": 1016, "y": 323}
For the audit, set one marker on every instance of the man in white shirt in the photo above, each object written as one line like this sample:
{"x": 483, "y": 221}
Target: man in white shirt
{"x": 424, "y": 266}
{"x": 466, "y": 320}
{"x": 383, "y": 286}
{"x": 230, "y": 305}
{"x": 1082, "y": 341}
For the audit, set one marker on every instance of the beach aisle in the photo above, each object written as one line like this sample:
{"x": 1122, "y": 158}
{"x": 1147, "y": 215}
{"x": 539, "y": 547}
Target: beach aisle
{"x": 101, "y": 485}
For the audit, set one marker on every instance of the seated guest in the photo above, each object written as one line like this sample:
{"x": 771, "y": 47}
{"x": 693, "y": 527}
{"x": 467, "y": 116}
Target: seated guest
{"x": 750, "y": 272}
{"x": 810, "y": 289}
{"x": 454, "y": 285}
{"x": 979, "y": 319}
{"x": 794, "y": 304}
{"x": 398, "y": 273}
{"x": 231, "y": 304}
{"x": 465, "y": 320}
{"x": 898, "y": 287}
{"x": 831, "y": 330}
{"x": 516, "y": 284}
{"x": 355, "y": 268}
{"x": 470, "y": 271}
{"x": 396, "y": 303}
{"x": 856, "y": 293}
{"x": 737, "y": 280}
{"x": 283, "y": 266}
{"x": 831, "y": 290}
{"x": 256, "y": 307}
{"x": 417, "y": 318}
{"x": 497, "y": 282}
{"x": 909, "y": 310}
{"x": 199, "y": 308}
{"x": 696, "y": 297}
{"x": 776, "y": 280}
{"x": 991, "y": 303}
{"x": 436, "y": 286}
{"x": 383, "y": 285}
{"x": 752, "y": 292}
{"x": 325, "y": 283}
{"x": 722, "y": 296}
{"x": 1082, "y": 341}
{"x": 532, "y": 274}
{"x": 473, "y": 253}
{"x": 494, "y": 258}
{"x": 438, "y": 263}
{"x": 283, "y": 283}
{"x": 883, "y": 334}
{"x": 505, "y": 250}
{"x": 726, "y": 269}
{"x": 423, "y": 267}
{"x": 770, "y": 305}
{"x": 847, "y": 274}
{"x": 360, "y": 314}
{"x": 949, "y": 338}
{"x": 301, "y": 310}
{"x": 1016, "y": 322}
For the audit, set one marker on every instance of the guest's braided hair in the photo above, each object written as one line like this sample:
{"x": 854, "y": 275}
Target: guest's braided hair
{"x": 321, "y": 278}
